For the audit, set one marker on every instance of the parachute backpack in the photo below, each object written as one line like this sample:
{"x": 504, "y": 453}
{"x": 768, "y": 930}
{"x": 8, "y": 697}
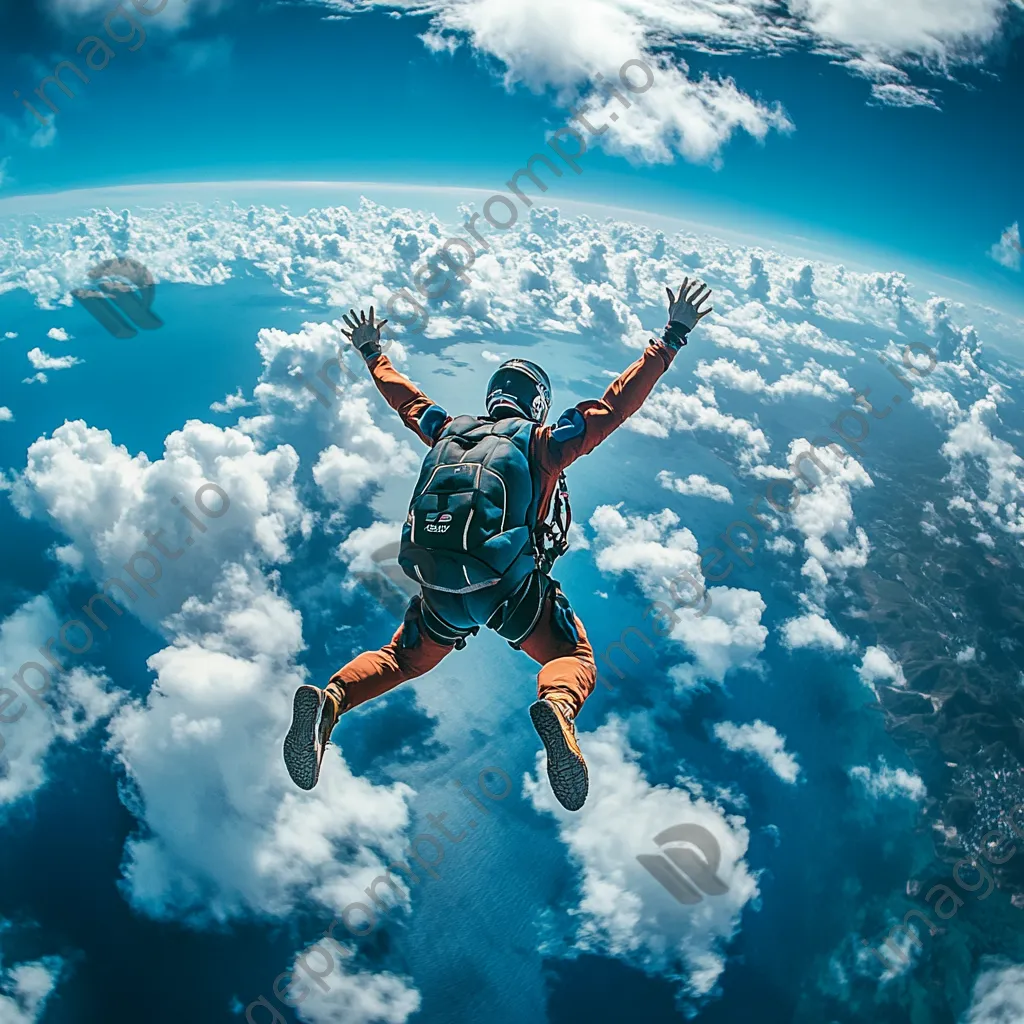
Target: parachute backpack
{"x": 472, "y": 521}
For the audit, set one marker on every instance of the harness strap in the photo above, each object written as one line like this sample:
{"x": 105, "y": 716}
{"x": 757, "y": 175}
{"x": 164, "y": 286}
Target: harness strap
{"x": 552, "y": 537}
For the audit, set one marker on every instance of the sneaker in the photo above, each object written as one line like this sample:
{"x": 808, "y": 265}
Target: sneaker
{"x": 314, "y": 715}
{"x": 567, "y": 771}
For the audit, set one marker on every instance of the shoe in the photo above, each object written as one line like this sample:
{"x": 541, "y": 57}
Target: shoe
{"x": 314, "y": 715}
{"x": 567, "y": 771}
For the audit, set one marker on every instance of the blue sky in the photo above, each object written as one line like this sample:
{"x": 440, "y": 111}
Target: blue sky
{"x": 277, "y": 91}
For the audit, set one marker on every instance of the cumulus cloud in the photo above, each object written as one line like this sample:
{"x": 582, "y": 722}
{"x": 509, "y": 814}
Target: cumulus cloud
{"x": 972, "y": 441}
{"x": 546, "y": 273}
{"x": 1007, "y": 250}
{"x": 938, "y": 29}
{"x": 824, "y": 514}
{"x": 695, "y": 486}
{"x": 998, "y": 995}
{"x": 106, "y": 500}
{"x": 26, "y": 988}
{"x": 813, "y": 630}
{"x": 6, "y": 416}
{"x": 813, "y": 379}
{"x": 69, "y": 704}
{"x": 231, "y": 402}
{"x": 58, "y": 334}
{"x": 878, "y": 665}
{"x": 41, "y": 361}
{"x": 352, "y": 996}
{"x": 671, "y": 409}
{"x": 223, "y": 831}
{"x": 622, "y": 911}
{"x": 720, "y": 627}
{"x": 889, "y": 783}
{"x": 369, "y": 457}
{"x": 762, "y": 741}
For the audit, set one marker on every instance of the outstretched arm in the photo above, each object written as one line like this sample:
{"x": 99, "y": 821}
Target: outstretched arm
{"x": 422, "y": 416}
{"x": 581, "y": 429}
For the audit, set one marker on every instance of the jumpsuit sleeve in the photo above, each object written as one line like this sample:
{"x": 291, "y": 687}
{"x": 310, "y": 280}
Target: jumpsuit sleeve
{"x": 581, "y": 429}
{"x": 422, "y": 416}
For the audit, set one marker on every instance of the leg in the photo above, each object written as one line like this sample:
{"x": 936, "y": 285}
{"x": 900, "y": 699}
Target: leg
{"x": 315, "y": 712}
{"x": 567, "y": 677}
{"x": 374, "y": 673}
{"x": 569, "y": 672}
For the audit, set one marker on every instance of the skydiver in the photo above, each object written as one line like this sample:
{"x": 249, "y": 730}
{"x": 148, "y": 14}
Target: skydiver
{"x": 489, "y": 516}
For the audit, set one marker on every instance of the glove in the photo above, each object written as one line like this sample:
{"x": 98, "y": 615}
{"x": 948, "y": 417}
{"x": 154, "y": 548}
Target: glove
{"x": 364, "y": 334}
{"x": 684, "y": 312}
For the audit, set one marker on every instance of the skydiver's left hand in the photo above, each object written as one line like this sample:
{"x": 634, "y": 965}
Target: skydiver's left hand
{"x": 684, "y": 308}
{"x": 684, "y": 312}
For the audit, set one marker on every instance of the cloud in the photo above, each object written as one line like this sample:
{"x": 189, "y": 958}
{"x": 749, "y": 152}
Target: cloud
{"x": 231, "y": 402}
{"x": 622, "y": 911}
{"x": 604, "y": 278}
{"x": 171, "y": 17}
{"x": 893, "y": 94}
{"x": 6, "y": 416}
{"x": 105, "y": 500}
{"x": 813, "y": 630}
{"x": 722, "y": 631}
{"x": 824, "y": 514}
{"x": 41, "y": 361}
{"x": 813, "y": 379}
{"x": 764, "y": 742}
{"x": 695, "y": 486}
{"x": 936, "y": 29}
{"x": 58, "y": 334}
{"x": 226, "y": 832}
{"x": 73, "y": 701}
{"x": 670, "y": 409}
{"x": 223, "y": 831}
{"x": 648, "y": 547}
{"x": 878, "y": 665}
{"x": 998, "y": 995}
{"x": 352, "y": 996}
{"x": 972, "y": 441}
{"x": 888, "y": 782}
{"x": 370, "y": 456}
{"x": 26, "y": 988}
{"x": 1007, "y": 250}
{"x": 563, "y": 46}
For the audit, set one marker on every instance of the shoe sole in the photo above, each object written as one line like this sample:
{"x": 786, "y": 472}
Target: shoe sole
{"x": 567, "y": 771}
{"x": 301, "y": 757}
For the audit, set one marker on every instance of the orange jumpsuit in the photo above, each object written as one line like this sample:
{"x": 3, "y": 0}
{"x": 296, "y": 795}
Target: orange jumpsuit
{"x": 568, "y": 671}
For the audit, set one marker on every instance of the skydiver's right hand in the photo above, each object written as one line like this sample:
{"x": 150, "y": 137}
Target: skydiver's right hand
{"x": 364, "y": 334}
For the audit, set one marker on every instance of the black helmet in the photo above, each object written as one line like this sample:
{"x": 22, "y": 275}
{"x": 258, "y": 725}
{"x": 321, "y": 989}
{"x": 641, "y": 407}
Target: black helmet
{"x": 522, "y": 386}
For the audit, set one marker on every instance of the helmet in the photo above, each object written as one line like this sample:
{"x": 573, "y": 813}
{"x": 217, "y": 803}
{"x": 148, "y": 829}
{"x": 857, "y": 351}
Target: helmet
{"x": 521, "y": 386}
